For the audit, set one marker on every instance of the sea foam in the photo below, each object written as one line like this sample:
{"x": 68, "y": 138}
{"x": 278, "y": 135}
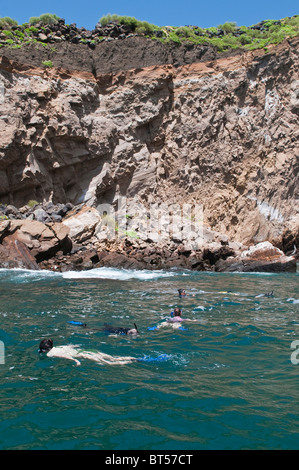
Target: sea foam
{"x": 117, "y": 274}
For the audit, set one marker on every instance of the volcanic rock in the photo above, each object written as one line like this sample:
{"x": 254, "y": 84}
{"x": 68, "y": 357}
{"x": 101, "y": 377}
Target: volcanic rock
{"x": 263, "y": 257}
{"x": 154, "y": 124}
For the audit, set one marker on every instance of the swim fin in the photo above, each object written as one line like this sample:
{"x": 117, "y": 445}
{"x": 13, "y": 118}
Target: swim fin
{"x": 78, "y": 323}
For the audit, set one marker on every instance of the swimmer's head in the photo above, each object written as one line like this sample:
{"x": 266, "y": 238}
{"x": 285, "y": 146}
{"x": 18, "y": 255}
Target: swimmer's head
{"x": 181, "y": 291}
{"x": 45, "y": 345}
{"x": 177, "y": 312}
{"x": 269, "y": 294}
{"x": 133, "y": 331}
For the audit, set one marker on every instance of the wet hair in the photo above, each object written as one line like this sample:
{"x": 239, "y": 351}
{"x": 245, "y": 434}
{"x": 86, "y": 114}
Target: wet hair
{"x": 177, "y": 312}
{"x": 45, "y": 345}
{"x": 181, "y": 291}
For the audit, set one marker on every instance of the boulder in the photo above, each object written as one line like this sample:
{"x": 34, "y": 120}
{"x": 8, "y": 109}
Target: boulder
{"x": 263, "y": 257}
{"x": 29, "y": 241}
{"x": 82, "y": 224}
{"x": 15, "y": 254}
{"x": 119, "y": 260}
{"x": 41, "y": 215}
{"x": 4, "y": 227}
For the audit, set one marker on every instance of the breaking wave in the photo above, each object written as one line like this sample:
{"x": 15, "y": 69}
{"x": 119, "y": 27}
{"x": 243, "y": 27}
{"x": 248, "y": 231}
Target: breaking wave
{"x": 27, "y": 275}
{"x": 117, "y": 274}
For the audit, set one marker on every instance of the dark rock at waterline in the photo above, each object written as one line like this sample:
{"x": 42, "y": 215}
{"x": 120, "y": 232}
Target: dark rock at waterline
{"x": 256, "y": 266}
{"x": 263, "y": 257}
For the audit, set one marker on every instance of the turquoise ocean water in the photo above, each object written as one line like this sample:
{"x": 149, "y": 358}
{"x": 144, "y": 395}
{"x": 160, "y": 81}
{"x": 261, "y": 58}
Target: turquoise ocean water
{"x": 227, "y": 382}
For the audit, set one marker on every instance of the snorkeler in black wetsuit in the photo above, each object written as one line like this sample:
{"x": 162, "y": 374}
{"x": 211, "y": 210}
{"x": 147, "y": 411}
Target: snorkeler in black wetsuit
{"x": 120, "y": 330}
{"x": 110, "y": 329}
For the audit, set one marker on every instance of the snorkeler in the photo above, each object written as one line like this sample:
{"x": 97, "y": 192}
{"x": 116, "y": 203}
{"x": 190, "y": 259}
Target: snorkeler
{"x": 109, "y": 329}
{"x": 182, "y": 293}
{"x": 73, "y": 353}
{"x": 177, "y": 316}
{"x": 267, "y": 294}
{"x": 120, "y": 330}
{"x": 174, "y": 321}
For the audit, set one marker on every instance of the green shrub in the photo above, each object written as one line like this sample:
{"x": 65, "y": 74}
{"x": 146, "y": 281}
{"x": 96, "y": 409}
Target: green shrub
{"x": 145, "y": 28}
{"x": 31, "y": 29}
{"x": 47, "y": 63}
{"x": 141, "y": 27}
{"x": 172, "y": 36}
{"x": 32, "y": 203}
{"x": 230, "y": 41}
{"x": 7, "y": 21}
{"x": 34, "y": 20}
{"x": 270, "y": 23}
{"x": 129, "y": 21}
{"x": 212, "y": 30}
{"x": 20, "y": 35}
{"x": 184, "y": 32}
{"x": 293, "y": 22}
{"x": 48, "y": 18}
{"x": 106, "y": 19}
{"x": 228, "y": 27}
{"x": 7, "y": 33}
{"x": 274, "y": 27}
{"x": 45, "y": 18}
{"x": 245, "y": 39}
{"x": 217, "y": 42}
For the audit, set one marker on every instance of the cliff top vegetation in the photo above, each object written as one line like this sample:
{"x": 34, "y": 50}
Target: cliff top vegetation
{"x": 49, "y": 28}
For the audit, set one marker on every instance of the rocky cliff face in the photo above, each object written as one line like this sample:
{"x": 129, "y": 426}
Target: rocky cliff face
{"x": 221, "y": 132}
